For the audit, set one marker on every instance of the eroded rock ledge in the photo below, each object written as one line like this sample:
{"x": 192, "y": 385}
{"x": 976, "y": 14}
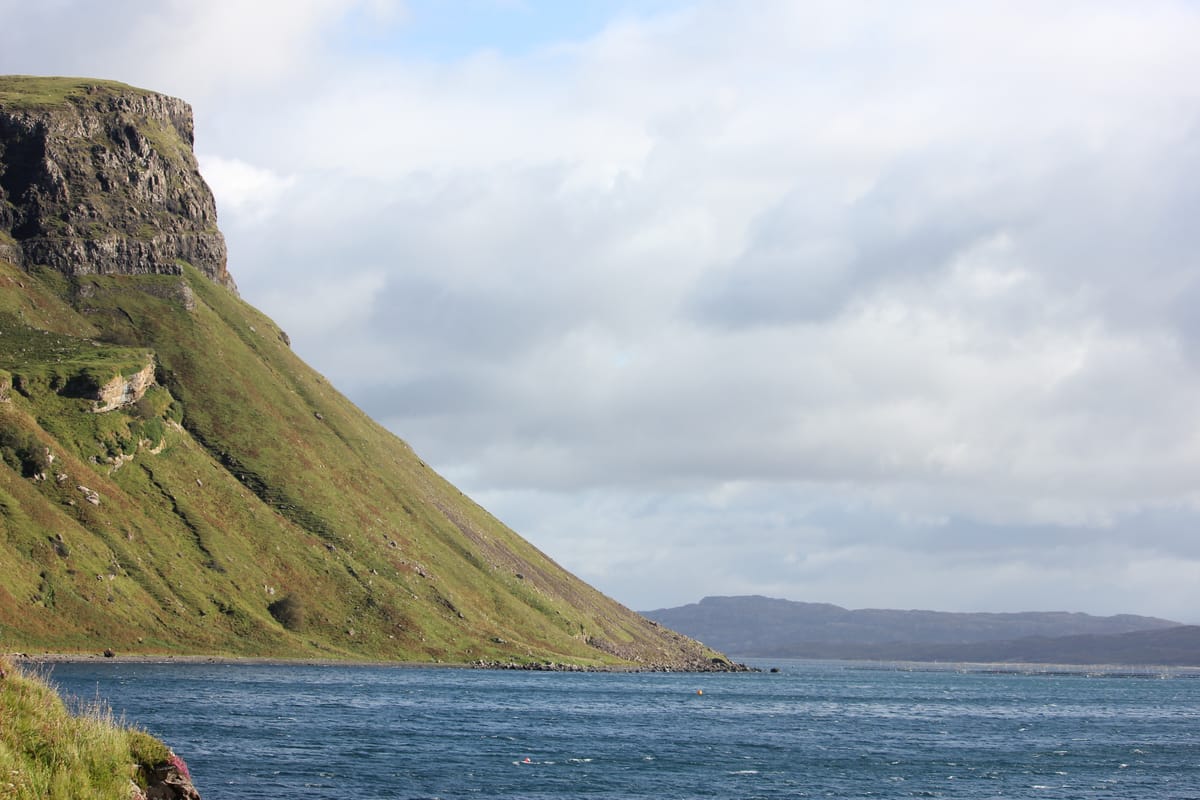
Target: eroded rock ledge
{"x": 123, "y": 391}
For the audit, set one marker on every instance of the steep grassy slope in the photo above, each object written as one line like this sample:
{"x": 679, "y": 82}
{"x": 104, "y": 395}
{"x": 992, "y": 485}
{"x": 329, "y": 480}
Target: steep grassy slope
{"x": 242, "y": 505}
{"x": 241, "y": 480}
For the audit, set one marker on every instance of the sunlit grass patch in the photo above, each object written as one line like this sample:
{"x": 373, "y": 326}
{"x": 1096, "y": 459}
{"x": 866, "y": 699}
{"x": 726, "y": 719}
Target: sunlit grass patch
{"x": 47, "y": 752}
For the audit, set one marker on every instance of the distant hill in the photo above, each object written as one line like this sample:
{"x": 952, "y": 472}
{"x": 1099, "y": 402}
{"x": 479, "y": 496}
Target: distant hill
{"x": 765, "y": 627}
{"x": 174, "y": 479}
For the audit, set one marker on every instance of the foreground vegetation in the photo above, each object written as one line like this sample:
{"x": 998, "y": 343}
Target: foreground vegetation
{"x": 48, "y": 753}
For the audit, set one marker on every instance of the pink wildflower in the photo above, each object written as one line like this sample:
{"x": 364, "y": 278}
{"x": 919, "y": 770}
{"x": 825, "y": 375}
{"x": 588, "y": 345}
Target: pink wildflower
{"x": 180, "y": 766}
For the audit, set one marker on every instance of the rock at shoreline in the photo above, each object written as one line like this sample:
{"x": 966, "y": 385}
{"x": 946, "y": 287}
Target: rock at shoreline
{"x": 168, "y": 781}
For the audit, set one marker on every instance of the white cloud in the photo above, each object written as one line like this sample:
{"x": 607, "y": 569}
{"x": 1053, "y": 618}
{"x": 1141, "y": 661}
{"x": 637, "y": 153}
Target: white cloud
{"x": 250, "y": 193}
{"x": 176, "y": 46}
{"x": 915, "y": 279}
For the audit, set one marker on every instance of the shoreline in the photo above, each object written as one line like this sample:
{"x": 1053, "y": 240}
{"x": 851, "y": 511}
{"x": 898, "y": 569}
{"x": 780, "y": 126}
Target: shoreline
{"x": 1004, "y": 667}
{"x": 274, "y": 661}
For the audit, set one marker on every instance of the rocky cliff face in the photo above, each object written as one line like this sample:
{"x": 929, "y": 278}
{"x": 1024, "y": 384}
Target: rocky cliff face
{"x": 99, "y": 178}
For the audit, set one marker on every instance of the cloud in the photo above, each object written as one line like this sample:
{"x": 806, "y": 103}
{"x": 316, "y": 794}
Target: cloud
{"x": 250, "y": 193}
{"x": 176, "y": 46}
{"x": 897, "y": 295}
{"x": 819, "y": 543}
{"x": 841, "y": 302}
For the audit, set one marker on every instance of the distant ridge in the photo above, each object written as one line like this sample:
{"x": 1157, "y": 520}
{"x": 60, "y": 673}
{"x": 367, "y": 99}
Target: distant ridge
{"x": 750, "y": 626}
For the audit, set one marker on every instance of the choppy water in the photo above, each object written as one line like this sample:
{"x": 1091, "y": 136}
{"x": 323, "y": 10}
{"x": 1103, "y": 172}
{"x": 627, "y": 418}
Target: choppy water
{"x": 814, "y": 730}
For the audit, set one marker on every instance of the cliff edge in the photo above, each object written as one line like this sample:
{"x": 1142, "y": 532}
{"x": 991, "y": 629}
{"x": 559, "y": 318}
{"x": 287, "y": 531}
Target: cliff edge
{"x": 97, "y": 177}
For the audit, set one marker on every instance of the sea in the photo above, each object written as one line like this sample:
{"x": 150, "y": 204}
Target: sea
{"x": 809, "y": 730}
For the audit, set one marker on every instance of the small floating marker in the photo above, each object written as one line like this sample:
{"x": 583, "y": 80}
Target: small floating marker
{"x": 699, "y": 691}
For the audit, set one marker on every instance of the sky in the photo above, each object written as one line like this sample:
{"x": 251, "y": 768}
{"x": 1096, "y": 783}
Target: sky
{"x": 877, "y": 304}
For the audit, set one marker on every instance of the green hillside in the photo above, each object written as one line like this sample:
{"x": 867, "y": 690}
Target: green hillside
{"x": 238, "y": 504}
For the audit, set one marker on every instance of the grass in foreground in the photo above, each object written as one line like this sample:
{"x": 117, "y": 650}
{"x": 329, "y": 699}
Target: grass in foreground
{"x": 46, "y": 752}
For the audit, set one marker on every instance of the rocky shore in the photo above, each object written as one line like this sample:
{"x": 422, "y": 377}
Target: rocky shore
{"x": 716, "y": 665}
{"x": 713, "y": 665}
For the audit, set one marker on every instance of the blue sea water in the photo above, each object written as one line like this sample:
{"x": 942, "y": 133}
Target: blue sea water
{"x": 820, "y": 730}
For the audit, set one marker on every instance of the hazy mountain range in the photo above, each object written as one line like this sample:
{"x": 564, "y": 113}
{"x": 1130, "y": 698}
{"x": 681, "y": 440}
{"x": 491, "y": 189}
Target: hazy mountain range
{"x": 764, "y": 627}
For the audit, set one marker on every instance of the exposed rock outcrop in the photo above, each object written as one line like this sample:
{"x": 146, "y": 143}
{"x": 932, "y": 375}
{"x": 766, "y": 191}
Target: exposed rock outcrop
{"x": 170, "y": 780}
{"x": 123, "y": 390}
{"x": 9, "y": 250}
{"x": 101, "y": 179}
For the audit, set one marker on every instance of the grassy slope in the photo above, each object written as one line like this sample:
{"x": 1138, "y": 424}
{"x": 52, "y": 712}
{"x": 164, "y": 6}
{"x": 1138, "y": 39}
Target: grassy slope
{"x": 242, "y": 480}
{"x": 47, "y": 753}
{"x": 274, "y": 485}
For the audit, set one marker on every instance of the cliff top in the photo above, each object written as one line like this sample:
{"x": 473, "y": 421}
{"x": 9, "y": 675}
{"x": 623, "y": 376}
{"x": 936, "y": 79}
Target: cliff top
{"x": 33, "y": 91}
